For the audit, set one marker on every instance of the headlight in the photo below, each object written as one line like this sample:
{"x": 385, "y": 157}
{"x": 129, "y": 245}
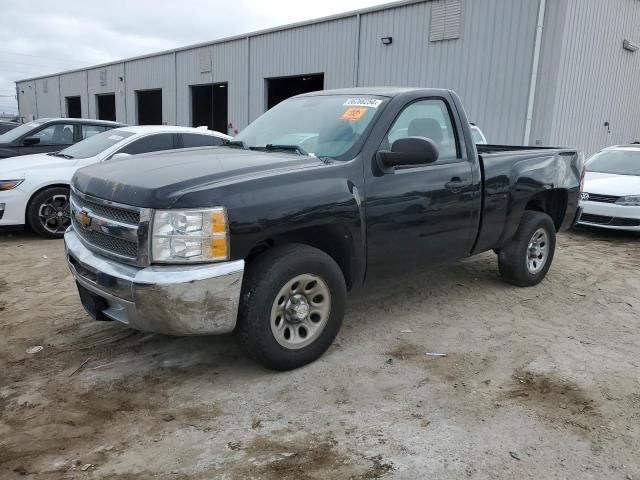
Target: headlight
{"x": 631, "y": 201}
{"x": 9, "y": 184}
{"x": 181, "y": 236}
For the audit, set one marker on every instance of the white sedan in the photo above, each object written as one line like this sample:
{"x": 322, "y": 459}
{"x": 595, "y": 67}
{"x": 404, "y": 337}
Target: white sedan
{"x": 34, "y": 189}
{"x": 611, "y": 193}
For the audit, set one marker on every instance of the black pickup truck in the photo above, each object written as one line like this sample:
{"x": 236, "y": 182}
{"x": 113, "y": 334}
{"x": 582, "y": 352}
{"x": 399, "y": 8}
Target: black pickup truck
{"x": 263, "y": 237}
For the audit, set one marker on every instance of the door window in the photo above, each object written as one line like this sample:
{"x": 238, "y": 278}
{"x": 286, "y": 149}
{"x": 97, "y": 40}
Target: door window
{"x": 190, "y": 140}
{"x": 60, "y": 134}
{"x": 90, "y": 130}
{"x": 430, "y": 119}
{"x": 150, "y": 143}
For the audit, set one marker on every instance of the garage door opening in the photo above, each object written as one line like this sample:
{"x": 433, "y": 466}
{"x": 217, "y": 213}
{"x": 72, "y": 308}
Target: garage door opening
{"x": 209, "y": 105}
{"x": 74, "y": 107}
{"x": 279, "y": 89}
{"x": 106, "y": 106}
{"x": 149, "y": 103}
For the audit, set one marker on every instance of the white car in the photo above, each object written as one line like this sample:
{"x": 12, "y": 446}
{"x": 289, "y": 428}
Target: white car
{"x": 34, "y": 189}
{"x": 478, "y": 135}
{"x": 611, "y": 192}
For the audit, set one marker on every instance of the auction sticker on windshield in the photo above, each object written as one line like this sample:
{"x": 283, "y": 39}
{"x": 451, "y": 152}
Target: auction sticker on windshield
{"x": 363, "y": 102}
{"x": 352, "y": 114}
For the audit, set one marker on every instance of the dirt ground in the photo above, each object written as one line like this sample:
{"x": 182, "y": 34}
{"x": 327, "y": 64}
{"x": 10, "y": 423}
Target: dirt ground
{"x": 538, "y": 383}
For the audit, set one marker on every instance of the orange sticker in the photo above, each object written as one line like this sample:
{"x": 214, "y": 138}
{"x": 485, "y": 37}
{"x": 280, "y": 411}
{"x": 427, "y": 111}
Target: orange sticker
{"x": 352, "y": 114}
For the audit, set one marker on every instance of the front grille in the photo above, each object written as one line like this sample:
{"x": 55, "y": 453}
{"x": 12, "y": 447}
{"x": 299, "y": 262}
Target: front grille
{"x": 595, "y": 197}
{"x": 108, "y": 211}
{"x": 107, "y": 228}
{"x": 106, "y": 242}
{"x": 612, "y": 221}
{"x": 600, "y": 219}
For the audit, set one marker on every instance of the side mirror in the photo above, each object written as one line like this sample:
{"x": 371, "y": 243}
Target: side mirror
{"x": 409, "y": 151}
{"x": 31, "y": 141}
{"x": 120, "y": 156}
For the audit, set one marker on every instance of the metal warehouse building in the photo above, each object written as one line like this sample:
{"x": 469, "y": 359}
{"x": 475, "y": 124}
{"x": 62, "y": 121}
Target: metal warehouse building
{"x": 540, "y": 72}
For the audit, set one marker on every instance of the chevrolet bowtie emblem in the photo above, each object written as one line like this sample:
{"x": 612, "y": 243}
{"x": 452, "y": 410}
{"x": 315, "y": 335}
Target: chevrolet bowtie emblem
{"x": 83, "y": 218}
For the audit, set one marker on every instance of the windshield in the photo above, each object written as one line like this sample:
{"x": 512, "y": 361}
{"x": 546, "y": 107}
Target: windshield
{"x": 620, "y": 162}
{"x": 95, "y": 144}
{"x": 17, "y": 132}
{"x": 323, "y": 125}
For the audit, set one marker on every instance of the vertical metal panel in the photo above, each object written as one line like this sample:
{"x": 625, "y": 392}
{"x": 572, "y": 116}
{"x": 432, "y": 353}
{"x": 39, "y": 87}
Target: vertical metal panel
{"x": 326, "y": 47}
{"x": 230, "y": 65}
{"x": 188, "y": 65}
{"x": 597, "y": 78}
{"x": 103, "y": 80}
{"x": 27, "y": 100}
{"x": 48, "y": 92}
{"x": 149, "y": 73}
{"x": 74, "y": 85}
{"x": 555, "y": 25}
{"x": 488, "y": 66}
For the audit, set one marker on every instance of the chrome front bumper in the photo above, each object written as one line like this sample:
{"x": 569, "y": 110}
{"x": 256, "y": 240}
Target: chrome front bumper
{"x": 175, "y": 300}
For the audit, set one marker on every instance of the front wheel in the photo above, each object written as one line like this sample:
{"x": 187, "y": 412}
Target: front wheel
{"x": 526, "y": 259}
{"x": 292, "y": 306}
{"x": 49, "y": 212}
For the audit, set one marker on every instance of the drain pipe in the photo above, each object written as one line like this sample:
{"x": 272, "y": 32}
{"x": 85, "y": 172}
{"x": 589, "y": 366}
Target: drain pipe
{"x": 534, "y": 72}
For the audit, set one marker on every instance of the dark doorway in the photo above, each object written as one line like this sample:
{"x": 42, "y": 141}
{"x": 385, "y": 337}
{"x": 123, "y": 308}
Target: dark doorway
{"x": 106, "y": 106}
{"x": 149, "y": 107}
{"x": 209, "y": 106}
{"x": 74, "y": 107}
{"x": 279, "y": 89}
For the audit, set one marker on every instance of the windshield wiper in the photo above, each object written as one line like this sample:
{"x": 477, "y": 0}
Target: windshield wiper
{"x": 60, "y": 154}
{"x": 289, "y": 148}
{"x": 237, "y": 144}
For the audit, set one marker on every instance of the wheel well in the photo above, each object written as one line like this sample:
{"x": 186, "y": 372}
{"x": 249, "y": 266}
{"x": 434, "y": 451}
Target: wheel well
{"x": 551, "y": 202}
{"x": 334, "y": 240}
{"x": 55, "y": 185}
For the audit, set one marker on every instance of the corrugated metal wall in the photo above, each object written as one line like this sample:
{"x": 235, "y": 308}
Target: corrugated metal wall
{"x": 27, "y": 101}
{"x": 584, "y": 78}
{"x": 327, "y": 47}
{"x": 73, "y": 85}
{"x": 597, "y": 79}
{"x": 488, "y": 66}
{"x": 150, "y": 73}
{"x": 107, "y": 80}
{"x": 48, "y": 92}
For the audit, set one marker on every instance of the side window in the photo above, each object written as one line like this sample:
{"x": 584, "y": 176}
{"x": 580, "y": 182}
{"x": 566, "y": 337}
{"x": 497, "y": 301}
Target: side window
{"x": 60, "y": 134}
{"x": 150, "y": 143}
{"x": 190, "y": 140}
{"x": 90, "y": 130}
{"x": 426, "y": 118}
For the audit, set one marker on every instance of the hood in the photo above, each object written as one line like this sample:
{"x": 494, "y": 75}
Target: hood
{"x": 610, "y": 184}
{"x": 19, "y": 166}
{"x": 157, "y": 180}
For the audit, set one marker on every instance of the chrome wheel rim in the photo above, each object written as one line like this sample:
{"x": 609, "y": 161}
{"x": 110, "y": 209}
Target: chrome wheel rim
{"x": 537, "y": 251}
{"x": 300, "y": 311}
{"x": 55, "y": 214}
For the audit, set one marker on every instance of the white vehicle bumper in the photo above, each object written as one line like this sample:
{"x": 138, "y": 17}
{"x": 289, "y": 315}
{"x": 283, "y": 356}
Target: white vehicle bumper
{"x": 610, "y": 215}
{"x": 13, "y": 204}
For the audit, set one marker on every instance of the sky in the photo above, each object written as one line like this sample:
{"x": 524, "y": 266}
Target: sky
{"x": 43, "y": 37}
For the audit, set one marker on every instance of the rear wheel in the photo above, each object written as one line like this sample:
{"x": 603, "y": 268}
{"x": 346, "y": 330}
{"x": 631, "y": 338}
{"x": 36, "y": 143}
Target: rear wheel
{"x": 526, "y": 259}
{"x": 49, "y": 212}
{"x": 292, "y": 306}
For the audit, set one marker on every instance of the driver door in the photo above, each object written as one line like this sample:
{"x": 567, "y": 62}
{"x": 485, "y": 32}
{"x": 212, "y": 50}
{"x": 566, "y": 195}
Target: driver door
{"x": 420, "y": 215}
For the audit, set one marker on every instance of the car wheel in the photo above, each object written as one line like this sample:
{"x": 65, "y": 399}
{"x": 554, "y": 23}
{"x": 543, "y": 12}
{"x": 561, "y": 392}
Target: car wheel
{"x": 49, "y": 212}
{"x": 292, "y": 306}
{"x": 526, "y": 259}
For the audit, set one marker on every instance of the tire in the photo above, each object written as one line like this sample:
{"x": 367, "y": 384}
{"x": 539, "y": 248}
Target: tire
{"x": 51, "y": 204}
{"x": 526, "y": 259}
{"x": 270, "y": 292}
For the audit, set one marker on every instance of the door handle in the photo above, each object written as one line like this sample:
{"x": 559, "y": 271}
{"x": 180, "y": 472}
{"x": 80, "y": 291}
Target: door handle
{"x": 456, "y": 184}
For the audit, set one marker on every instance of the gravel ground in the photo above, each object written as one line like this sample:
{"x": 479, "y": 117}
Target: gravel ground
{"x": 537, "y": 383}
